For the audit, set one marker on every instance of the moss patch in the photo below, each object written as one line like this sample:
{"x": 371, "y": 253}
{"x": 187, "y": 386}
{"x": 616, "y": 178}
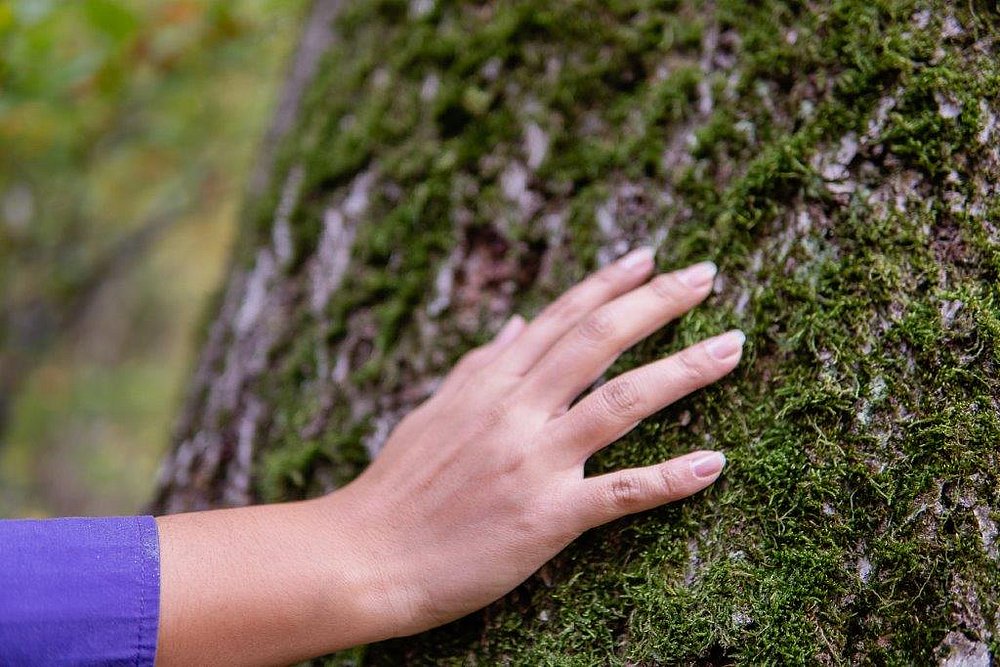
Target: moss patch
{"x": 838, "y": 163}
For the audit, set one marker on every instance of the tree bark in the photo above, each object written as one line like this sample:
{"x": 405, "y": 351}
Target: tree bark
{"x": 449, "y": 163}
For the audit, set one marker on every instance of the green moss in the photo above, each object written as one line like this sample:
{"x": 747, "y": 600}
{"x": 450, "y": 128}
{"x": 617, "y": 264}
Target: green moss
{"x": 862, "y": 421}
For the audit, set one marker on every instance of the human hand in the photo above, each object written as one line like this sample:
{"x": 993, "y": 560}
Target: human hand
{"x": 473, "y": 492}
{"x": 484, "y": 482}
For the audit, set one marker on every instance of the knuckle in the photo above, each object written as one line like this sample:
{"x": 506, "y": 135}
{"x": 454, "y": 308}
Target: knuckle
{"x": 597, "y": 327}
{"x": 495, "y": 415}
{"x": 671, "y": 482}
{"x": 626, "y": 491}
{"x": 529, "y": 521}
{"x": 691, "y": 368}
{"x": 569, "y": 306}
{"x": 667, "y": 287}
{"x": 621, "y": 397}
{"x": 512, "y": 461}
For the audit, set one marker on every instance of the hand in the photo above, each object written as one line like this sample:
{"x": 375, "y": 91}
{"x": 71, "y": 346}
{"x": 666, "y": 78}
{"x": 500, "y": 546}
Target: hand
{"x": 483, "y": 483}
{"x": 473, "y": 492}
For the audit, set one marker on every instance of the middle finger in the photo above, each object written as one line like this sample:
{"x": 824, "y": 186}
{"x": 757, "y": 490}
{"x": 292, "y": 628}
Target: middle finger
{"x": 592, "y": 345}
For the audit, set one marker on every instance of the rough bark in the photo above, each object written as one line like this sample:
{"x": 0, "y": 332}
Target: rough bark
{"x": 451, "y": 163}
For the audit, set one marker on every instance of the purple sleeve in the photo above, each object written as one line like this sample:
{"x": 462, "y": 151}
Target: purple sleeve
{"x": 79, "y": 591}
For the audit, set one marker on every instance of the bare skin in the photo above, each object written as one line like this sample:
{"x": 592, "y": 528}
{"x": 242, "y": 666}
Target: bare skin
{"x": 474, "y": 491}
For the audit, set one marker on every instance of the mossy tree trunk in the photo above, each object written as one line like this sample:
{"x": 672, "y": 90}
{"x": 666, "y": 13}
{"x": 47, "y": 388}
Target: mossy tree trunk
{"x": 450, "y": 163}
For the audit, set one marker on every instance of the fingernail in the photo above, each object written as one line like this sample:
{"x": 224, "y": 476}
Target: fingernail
{"x": 708, "y": 465}
{"x": 638, "y": 257}
{"x": 509, "y": 330}
{"x": 724, "y": 346}
{"x": 698, "y": 275}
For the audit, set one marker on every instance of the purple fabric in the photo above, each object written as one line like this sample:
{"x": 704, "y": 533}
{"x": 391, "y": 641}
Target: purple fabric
{"x": 79, "y": 591}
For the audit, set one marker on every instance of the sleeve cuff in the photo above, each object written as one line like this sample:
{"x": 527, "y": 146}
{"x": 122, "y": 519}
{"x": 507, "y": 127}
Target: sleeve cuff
{"x": 79, "y": 591}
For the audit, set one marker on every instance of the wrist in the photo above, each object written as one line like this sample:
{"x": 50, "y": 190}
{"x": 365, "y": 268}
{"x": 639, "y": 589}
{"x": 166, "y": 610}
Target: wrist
{"x": 269, "y": 584}
{"x": 360, "y": 569}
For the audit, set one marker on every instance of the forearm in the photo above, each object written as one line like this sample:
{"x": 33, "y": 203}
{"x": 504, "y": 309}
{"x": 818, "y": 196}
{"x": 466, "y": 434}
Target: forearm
{"x": 268, "y": 584}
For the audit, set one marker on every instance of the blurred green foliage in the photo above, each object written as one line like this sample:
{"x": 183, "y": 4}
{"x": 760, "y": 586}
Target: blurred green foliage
{"x": 127, "y": 131}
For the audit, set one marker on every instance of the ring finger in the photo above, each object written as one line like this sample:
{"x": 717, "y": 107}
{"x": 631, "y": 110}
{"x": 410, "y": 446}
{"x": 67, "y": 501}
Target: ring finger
{"x": 616, "y": 407}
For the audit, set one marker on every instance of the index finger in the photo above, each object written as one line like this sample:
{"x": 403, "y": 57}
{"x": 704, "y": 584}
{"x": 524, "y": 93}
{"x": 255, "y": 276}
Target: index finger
{"x": 562, "y": 314}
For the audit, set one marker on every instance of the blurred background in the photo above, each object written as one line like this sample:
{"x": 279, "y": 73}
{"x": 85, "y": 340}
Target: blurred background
{"x": 127, "y": 132}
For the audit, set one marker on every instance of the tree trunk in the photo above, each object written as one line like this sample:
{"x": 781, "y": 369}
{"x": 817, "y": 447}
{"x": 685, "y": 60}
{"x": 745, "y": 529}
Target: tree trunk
{"x": 450, "y": 163}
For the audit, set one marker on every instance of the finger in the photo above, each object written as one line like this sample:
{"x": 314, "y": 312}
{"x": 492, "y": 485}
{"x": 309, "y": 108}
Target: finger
{"x": 508, "y": 333}
{"x": 586, "y": 351}
{"x": 617, "y": 494}
{"x": 476, "y": 358}
{"x": 614, "y": 408}
{"x": 560, "y": 315}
